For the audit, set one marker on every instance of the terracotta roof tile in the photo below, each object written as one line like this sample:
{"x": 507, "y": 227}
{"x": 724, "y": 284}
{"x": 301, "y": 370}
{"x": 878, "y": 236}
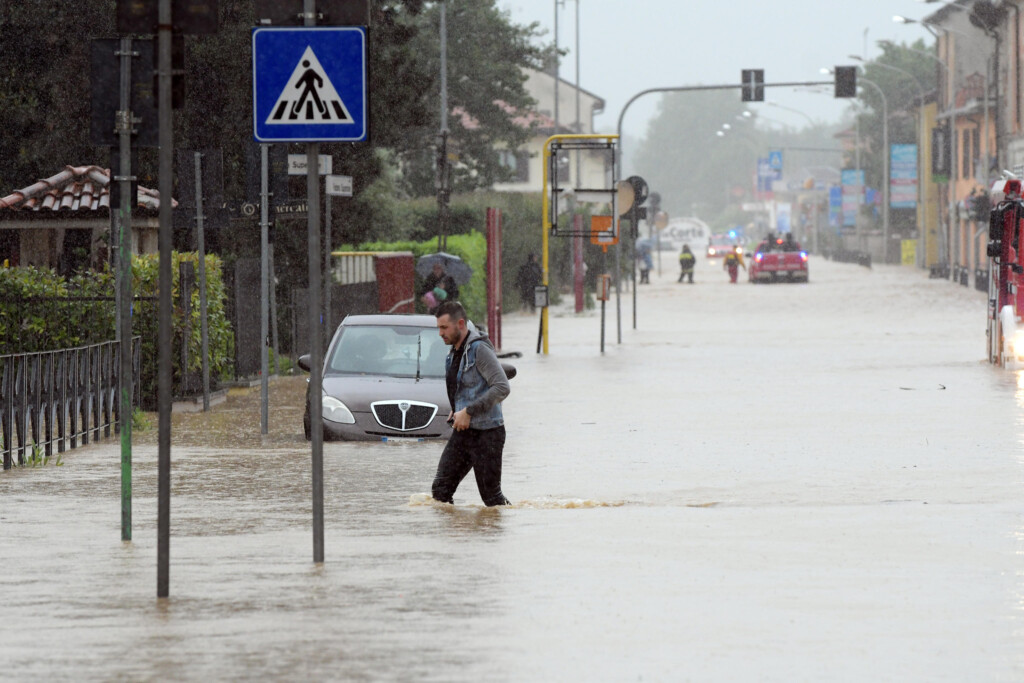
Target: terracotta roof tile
{"x": 76, "y": 188}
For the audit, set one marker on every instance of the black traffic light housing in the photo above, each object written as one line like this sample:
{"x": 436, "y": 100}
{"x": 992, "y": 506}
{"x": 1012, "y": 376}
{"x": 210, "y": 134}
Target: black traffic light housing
{"x": 752, "y": 85}
{"x": 846, "y": 81}
{"x": 995, "y": 234}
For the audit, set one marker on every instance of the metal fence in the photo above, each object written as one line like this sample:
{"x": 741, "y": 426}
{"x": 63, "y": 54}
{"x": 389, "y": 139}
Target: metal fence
{"x": 61, "y": 398}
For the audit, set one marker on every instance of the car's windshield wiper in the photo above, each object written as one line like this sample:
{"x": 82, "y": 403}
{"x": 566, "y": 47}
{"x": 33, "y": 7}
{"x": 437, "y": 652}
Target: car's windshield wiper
{"x": 419, "y": 348}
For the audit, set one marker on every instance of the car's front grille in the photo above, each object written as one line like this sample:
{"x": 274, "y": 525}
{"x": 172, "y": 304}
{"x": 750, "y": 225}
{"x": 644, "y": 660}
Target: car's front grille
{"x": 404, "y": 416}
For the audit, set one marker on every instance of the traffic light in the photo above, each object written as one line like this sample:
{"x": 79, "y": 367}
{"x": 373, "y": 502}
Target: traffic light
{"x": 752, "y": 85}
{"x": 655, "y": 205}
{"x": 846, "y": 81}
{"x": 994, "y": 249}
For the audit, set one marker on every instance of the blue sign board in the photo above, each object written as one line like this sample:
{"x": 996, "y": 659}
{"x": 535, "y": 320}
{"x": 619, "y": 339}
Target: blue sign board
{"x": 766, "y": 175}
{"x": 309, "y": 84}
{"x": 835, "y": 206}
{"x": 903, "y": 176}
{"x": 853, "y": 194}
{"x": 775, "y": 159}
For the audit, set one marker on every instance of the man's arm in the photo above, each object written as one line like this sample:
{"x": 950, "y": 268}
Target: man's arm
{"x": 490, "y": 369}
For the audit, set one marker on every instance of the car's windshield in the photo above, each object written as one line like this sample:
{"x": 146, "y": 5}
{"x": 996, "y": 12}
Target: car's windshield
{"x": 391, "y": 351}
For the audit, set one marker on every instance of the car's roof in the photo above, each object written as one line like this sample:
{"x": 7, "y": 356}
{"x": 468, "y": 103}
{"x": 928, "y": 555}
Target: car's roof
{"x": 390, "y": 320}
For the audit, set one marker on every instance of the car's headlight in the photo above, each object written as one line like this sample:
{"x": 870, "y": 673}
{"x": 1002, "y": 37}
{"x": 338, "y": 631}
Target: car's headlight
{"x": 336, "y": 411}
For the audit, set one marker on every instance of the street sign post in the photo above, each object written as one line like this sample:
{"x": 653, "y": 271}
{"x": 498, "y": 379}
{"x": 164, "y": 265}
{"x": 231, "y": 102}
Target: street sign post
{"x": 338, "y": 185}
{"x": 309, "y": 84}
{"x": 297, "y": 164}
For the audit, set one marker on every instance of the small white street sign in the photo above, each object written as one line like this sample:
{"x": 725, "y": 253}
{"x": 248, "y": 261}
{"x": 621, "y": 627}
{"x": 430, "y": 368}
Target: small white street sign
{"x": 339, "y": 185}
{"x": 297, "y": 164}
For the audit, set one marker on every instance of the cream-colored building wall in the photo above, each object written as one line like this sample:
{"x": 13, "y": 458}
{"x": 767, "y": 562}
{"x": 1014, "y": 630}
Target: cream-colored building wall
{"x": 541, "y": 87}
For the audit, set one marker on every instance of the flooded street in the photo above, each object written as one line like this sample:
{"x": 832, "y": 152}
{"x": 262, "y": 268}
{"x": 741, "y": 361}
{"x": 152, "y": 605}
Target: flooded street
{"x": 785, "y": 482}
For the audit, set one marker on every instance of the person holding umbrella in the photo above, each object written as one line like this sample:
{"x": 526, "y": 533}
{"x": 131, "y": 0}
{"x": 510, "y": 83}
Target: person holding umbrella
{"x": 438, "y": 287}
{"x": 442, "y": 273}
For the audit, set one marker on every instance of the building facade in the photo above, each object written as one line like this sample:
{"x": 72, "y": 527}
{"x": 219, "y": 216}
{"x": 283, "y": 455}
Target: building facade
{"x": 527, "y": 162}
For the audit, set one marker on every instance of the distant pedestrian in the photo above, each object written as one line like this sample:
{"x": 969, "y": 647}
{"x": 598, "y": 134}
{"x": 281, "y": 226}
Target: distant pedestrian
{"x": 527, "y": 278}
{"x": 476, "y": 387}
{"x": 732, "y": 263}
{"x": 646, "y": 262}
{"x": 686, "y": 263}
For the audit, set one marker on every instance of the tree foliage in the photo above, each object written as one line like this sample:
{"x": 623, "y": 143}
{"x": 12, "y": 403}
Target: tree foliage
{"x": 902, "y": 96}
{"x": 485, "y": 91}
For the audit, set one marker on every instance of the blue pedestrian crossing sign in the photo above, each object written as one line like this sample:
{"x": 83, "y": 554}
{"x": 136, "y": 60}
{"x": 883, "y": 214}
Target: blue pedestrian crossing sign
{"x": 775, "y": 159}
{"x": 309, "y": 84}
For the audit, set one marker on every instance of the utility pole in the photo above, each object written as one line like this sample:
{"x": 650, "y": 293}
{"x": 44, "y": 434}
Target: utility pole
{"x": 315, "y": 325}
{"x": 164, "y": 344}
{"x": 443, "y": 171}
{"x": 125, "y": 125}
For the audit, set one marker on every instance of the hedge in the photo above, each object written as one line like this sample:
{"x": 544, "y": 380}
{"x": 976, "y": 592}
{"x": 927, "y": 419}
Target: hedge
{"x": 471, "y": 248}
{"x": 65, "y": 313}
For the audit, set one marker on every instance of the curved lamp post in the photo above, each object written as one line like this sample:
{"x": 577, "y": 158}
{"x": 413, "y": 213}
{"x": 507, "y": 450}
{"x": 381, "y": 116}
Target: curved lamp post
{"x": 920, "y": 131}
{"x": 885, "y": 160}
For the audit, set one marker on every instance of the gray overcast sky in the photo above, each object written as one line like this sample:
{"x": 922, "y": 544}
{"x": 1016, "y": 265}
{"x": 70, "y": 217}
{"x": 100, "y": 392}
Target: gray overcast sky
{"x": 629, "y": 45}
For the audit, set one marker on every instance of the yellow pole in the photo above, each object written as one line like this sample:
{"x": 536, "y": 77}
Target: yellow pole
{"x": 545, "y": 229}
{"x": 546, "y": 219}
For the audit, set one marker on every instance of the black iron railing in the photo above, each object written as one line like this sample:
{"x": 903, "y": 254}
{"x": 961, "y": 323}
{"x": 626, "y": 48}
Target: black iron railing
{"x": 58, "y": 399}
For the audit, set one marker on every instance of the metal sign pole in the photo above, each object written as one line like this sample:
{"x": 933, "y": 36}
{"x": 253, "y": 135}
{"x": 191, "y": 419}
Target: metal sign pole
{"x": 124, "y": 285}
{"x": 201, "y": 246}
{"x": 264, "y": 286}
{"x": 164, "y": 342}
{"x": 315, "y": 328}
{"x": 328, "y": 328}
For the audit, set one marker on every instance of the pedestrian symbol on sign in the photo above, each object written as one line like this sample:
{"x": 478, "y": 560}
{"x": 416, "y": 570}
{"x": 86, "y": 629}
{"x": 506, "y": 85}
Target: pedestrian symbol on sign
{"x": 309, "y": 96}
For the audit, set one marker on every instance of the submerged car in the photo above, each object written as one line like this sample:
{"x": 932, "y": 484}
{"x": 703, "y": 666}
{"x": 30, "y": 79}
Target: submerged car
{"x": 383, "y": 378}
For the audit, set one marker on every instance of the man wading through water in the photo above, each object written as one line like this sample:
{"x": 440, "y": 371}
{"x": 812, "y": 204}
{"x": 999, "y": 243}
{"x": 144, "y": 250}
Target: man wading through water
{"x": 476, "y": 387}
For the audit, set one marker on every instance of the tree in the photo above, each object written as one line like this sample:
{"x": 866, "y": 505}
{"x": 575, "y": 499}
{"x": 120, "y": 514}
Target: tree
{"x": 44, "y": 86}
{"x": 901, "y": 95}
{"x": 486, "y": 92}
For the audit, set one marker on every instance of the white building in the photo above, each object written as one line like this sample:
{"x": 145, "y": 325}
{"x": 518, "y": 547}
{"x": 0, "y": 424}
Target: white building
{"x": 526, "y": 162}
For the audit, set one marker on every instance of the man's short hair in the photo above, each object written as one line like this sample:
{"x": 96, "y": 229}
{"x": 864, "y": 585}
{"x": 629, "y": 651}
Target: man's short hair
{"x": 452, "y": 309}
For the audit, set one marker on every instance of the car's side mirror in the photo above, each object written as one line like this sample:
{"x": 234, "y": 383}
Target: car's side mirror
{"x": 304, "y": 362}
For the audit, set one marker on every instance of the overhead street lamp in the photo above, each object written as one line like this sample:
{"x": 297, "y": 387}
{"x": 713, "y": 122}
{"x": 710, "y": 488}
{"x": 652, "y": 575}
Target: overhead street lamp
{"x": 928, "y": 26}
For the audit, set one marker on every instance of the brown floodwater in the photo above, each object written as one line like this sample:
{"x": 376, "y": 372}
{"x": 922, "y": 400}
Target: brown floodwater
{"x": 771, "y": 483}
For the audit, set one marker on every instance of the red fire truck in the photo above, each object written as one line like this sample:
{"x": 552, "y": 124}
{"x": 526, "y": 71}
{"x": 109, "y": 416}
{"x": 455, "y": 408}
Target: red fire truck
{"x": 1006, "y": 267}
{"x": 777, "y": 260}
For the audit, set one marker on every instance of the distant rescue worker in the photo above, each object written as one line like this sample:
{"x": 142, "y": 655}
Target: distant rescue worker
{"x": 686, "y": 262}
{"x": 477, "y": 385}
{"x": 789, "y": 244}
{"x": 733, "y": 261}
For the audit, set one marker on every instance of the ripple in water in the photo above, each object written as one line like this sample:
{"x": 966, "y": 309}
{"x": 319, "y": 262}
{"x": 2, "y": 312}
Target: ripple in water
{"x": 425, "y": 499}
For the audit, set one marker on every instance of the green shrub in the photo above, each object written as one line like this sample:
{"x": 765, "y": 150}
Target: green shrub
{"x": 41, "y": 311}
{"x": 66, "y": 313}
{"x": 145, "y": 323}
{"x": 471, "y": 248}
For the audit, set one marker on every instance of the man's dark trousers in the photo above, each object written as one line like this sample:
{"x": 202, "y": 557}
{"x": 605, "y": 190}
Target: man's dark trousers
{"x": 476, "y": 449}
